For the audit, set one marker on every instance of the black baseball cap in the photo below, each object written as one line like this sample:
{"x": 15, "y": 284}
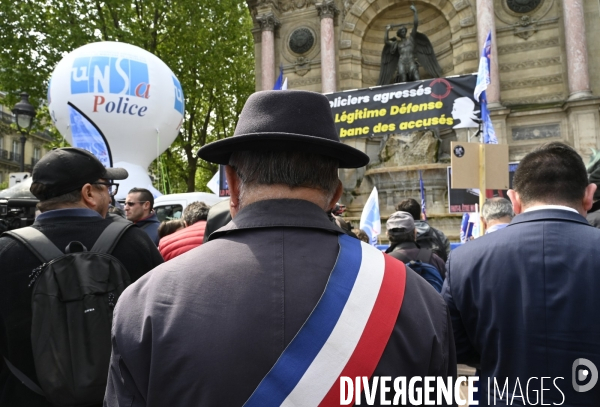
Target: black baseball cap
{"x": 64, "y": 170}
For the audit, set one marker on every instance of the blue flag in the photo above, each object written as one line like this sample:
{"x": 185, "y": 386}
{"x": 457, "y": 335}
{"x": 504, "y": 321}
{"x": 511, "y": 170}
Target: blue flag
{"x": 483, "y": 80}
{"x": 279, "y": 82}
{"x": 466, "y": 228}
{"x": 88, "y": 136}
{"x": 423, "y": 206}
{"x": 370, "y": 221}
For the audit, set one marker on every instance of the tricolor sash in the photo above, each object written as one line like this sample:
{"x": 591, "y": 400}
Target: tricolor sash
{"x": 345, "y": 334}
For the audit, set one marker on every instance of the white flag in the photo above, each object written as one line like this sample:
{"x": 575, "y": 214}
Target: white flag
{"x": 370, "y": 221}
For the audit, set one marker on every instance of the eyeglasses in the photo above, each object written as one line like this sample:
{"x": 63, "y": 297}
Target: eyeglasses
{"x": 134, "y": 203}
{"x": 113, "y": 188}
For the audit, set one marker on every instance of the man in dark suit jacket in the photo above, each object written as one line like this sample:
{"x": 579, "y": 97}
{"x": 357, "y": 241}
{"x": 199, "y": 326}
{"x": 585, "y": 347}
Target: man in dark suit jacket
{"x": 524, "y": 300}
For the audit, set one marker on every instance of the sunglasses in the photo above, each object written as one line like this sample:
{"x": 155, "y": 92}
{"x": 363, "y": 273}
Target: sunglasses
{"x": 113, "y": 188}
{"x": 133, "y": 203}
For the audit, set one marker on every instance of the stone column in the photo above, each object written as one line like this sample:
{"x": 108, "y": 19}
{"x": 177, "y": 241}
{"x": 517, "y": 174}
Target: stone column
{"x": 577, "y": 64}
{"x": 268, "y": 24}
{"x": 327, "y": 11}
{"x": 486, "y": 23}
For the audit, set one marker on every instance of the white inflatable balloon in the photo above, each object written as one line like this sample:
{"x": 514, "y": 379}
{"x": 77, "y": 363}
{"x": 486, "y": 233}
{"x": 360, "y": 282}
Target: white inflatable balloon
{"x": 130, "y": 94}
{"x": 138, "y": 178}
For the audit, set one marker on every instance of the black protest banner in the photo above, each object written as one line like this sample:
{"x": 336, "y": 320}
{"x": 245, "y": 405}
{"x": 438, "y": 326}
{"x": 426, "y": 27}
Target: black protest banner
{"x": 406, "y": 107}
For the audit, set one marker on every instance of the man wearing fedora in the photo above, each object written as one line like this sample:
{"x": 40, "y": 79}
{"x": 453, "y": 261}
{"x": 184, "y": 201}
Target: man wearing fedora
{"x": 279, "y": 305}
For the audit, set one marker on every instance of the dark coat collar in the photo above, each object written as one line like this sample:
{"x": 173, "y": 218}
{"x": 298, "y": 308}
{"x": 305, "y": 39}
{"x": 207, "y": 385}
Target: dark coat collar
{"x": 549, "y": 214}
{"x": 294, "y": 213}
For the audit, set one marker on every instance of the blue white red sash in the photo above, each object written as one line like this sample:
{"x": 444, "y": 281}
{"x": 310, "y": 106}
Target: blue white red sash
{"x": 345, "y": 335}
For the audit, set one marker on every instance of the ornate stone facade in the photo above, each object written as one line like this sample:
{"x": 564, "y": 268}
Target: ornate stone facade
{"x": 548, "y": 64}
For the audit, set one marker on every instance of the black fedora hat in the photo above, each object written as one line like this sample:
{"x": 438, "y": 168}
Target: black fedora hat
{"x": 285, "y": 120}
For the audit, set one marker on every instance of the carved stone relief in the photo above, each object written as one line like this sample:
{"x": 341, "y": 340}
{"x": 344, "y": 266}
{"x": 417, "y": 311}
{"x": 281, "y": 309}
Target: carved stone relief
{"x": 417, "y": 148}
{"x": 302, "y": 66}
{"x": 522, "y": 6}
{"x": 304, "y": 81}
{"x": 288, "y": 5}
{"x": 327, "y": 9}
{"x": 536, "y": 132}
{"x": 528, "y": 46}
{"x": 510, "y": 11}
{"x": 524, "y": 26}
{"x": 268, "y": 22}
{"x": 536, "y": 63}
{"x": 549, "y": 98}
{"x": 302, "y": 40}
{"x": 532, "y": 82}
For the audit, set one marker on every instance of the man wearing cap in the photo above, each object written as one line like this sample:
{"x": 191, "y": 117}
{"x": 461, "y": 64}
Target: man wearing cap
{"x": 279, "y": 304}
{"x": 401, "y": 232}
{"x": 74, "y": 190}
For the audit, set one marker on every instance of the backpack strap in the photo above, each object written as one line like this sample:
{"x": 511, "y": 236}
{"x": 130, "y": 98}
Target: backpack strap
{"x": 424, "y": 255}
{"x": 37, "y": 243}
{"x": 30, "y": 384}
{"x": 401, "y": 256}
{"x": 110, "y": 237}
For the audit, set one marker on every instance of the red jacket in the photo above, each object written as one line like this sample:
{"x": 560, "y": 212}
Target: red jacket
{"x": 182, "y": 241}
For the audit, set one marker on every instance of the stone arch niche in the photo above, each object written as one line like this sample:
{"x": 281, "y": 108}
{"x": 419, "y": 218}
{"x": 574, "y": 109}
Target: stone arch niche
{"x": 450, "y": 26}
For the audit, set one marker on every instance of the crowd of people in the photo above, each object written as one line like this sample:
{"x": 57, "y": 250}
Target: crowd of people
{"x": 269, "y": 297}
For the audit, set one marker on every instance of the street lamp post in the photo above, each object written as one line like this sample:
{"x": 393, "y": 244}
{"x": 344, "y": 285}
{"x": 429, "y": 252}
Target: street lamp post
{"x": 24, "y": 115}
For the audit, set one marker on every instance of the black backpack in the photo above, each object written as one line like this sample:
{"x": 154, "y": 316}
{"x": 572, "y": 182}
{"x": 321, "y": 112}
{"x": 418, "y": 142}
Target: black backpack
{"x": 431, "y": 240}
{"x": 73, "y": 297}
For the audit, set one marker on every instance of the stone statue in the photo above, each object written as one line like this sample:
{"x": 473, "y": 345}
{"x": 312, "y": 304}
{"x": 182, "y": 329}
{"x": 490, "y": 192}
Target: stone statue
{"x": 401, "y": 57}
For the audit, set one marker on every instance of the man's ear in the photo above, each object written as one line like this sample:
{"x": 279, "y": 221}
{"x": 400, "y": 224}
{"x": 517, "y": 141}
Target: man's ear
{"x": 233, "y": 182}
{"x": 88, "y": 198}
{"x": 336, "y": 196}
{"x": 516, "y": 201}
{"x": 588, "y": 197}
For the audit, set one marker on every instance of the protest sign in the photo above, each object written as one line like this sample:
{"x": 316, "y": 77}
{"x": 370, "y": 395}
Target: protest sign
{"x": 464, "y": 200}
{"x": 406, "y": 107}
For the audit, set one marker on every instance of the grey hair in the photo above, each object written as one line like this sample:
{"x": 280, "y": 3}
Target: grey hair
{"x": 294, "y": 169}
{"x": 59, "y": 201}
{"x": 496, "y": 208}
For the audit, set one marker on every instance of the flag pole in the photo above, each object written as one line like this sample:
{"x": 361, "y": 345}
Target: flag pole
{"x": 482, "y": 186}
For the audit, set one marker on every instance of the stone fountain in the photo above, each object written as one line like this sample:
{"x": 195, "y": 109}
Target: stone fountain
{"x": 394, "y": 169}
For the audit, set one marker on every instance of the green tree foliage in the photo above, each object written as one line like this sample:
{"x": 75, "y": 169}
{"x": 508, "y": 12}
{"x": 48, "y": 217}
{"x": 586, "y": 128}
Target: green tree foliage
{"x": 207, "y": 44}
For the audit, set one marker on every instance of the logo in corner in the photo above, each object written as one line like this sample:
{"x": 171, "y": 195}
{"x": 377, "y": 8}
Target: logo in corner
{"x": 581, "y": 375}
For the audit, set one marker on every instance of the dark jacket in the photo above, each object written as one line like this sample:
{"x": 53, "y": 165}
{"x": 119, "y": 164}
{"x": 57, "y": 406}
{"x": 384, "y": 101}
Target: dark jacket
{"x": 432, "y": 238}
{"x": 411, "y": 251}
{"x": 204, "y": 328}
{"x": 150, "y": 226}
{"x": 135, "y": 250}
{"x": 524, "y": 303}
